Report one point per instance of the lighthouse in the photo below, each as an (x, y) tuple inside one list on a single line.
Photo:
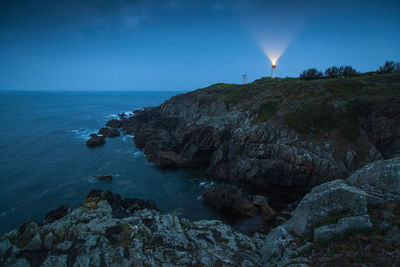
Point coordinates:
[(273, 67)]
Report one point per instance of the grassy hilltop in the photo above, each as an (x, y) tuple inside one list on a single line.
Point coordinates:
[(329, 106)]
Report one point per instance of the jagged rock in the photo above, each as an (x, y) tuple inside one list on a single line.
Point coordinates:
[(380, 177), (121, 207), (107, 132), (229, 198), (95, 140), (107, 178), (57, 214), (114, 123), (93, 236)]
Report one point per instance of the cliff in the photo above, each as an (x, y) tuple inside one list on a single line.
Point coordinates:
[(275, 131)]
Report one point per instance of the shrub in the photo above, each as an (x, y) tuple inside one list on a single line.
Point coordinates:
[(333, 72), (348, 71), (388, 67), (311, 74)]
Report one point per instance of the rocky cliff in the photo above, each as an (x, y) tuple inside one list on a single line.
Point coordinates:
[(275, 131), (351, 222)]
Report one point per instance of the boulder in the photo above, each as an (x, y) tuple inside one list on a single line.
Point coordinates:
[(345, 225), (107, 178), (324, 200), (380, 177), (229, 198), (114, 123), (95, 140), (108, 132)]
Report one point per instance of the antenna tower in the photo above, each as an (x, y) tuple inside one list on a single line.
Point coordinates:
[(244, 78)]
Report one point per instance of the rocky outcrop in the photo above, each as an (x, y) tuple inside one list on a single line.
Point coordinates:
[(229, 198), (114, 123), (95, 140), (216, 129), (107, 178), (108, 132), (91, 235)]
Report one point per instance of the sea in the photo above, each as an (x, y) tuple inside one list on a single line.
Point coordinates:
[(44, 161)]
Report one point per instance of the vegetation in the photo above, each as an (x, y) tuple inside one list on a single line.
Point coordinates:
[(265, 112), (311, 74), (388, 67), (330, 107)]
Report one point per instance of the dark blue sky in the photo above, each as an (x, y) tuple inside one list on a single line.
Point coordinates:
[(184, 44)]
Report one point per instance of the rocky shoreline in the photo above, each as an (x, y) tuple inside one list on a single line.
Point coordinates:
[(357, 218)]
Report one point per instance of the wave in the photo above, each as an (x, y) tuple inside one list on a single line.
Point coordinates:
[(83, 133), (46, 191), (4, 213)]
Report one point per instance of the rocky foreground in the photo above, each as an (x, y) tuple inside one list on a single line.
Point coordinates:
[(347, 222)]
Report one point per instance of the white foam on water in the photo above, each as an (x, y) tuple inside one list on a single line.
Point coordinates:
[(206, 184), (127, 137), (83, 133), (138, 154), (46, 191)]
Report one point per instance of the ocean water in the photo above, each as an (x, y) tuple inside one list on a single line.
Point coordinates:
[(44, 161)]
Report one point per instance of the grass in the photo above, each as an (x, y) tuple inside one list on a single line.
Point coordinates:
[(265, 112)]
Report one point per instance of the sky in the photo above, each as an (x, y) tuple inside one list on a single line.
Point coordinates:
[(183, 45)]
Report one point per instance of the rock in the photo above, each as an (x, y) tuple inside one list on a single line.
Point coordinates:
[(259, 200), (95, 140), (230, 199), (48, 241), (332, 197), (34, 244), (121, 207), (107, 132), (94, 236), (267, 213), (345, 225), (114, 123), (107, 178), (380, 177), (57, 214)]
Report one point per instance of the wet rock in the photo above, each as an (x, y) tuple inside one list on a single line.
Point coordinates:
[(114, 123), (107, 132), (229, 198), (107, 178), (95, 140), (57, 214)]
